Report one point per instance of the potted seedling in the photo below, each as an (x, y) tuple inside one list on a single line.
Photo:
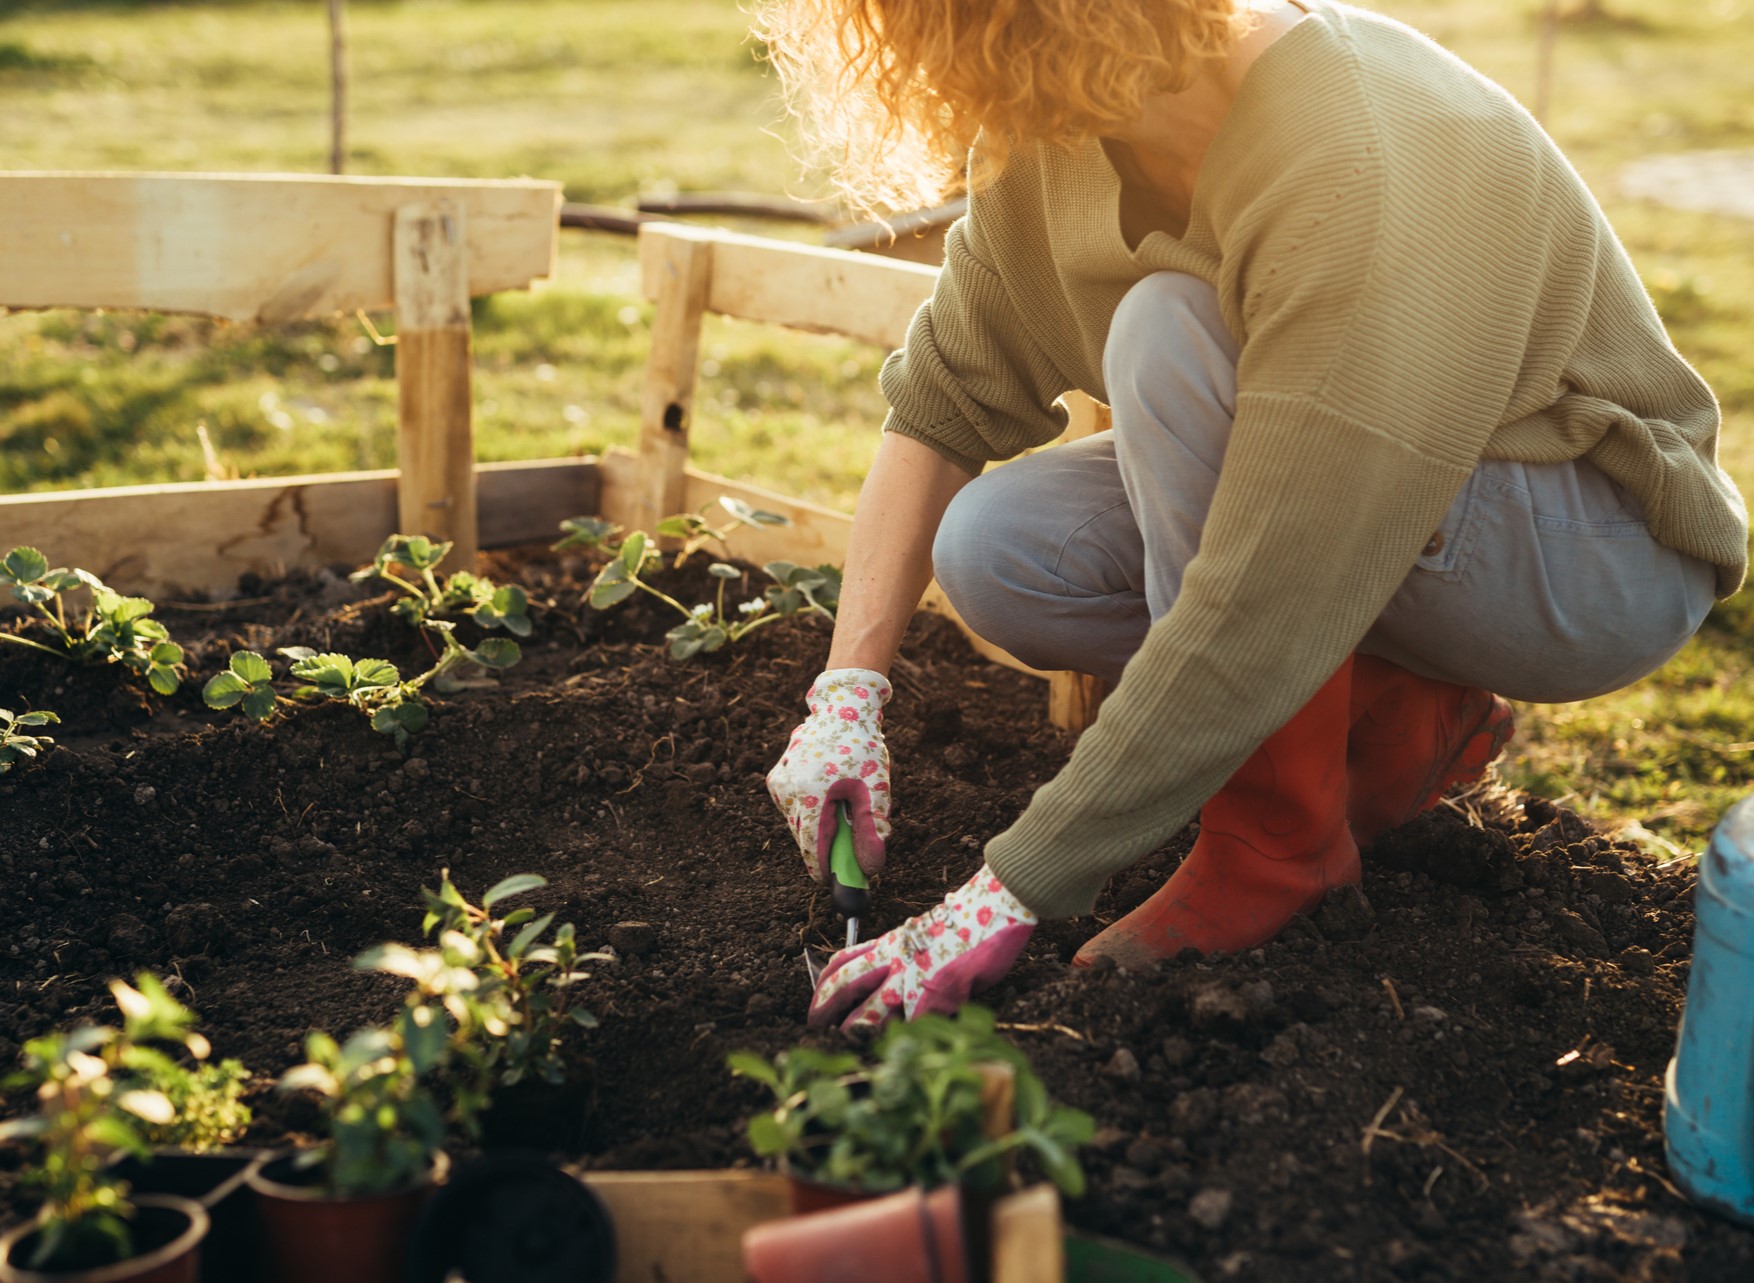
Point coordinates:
[(99, 1089), (17, 744), (919, 1117), (112, 629), (527, 972), (344, 1212)]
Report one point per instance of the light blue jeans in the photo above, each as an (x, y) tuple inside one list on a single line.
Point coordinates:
[(1543, 582)]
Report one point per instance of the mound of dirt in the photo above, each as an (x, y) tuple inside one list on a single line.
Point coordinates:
[(1389, 1091)]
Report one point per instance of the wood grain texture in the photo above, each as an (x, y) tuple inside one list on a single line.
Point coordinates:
[(267, 248), (435, 433), (802, 287), (682, 269), (1028, 1239), (199, 537), (686, 1227)]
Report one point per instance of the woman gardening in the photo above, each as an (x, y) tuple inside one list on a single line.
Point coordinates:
[(1396, 433)]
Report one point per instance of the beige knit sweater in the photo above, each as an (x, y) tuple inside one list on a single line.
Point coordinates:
[(1416, 279)]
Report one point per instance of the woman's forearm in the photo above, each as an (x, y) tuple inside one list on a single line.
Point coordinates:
[(889, 555)]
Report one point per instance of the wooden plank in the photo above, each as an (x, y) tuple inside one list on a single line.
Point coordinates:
[(435, 435), (682, 277), (1074, 698), (200, 536), (672, 1227), (266, 248), (1028, 1240), (803, 287), (816, 535)]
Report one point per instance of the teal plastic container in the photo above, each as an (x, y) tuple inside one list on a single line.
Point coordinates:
[(1708, 1105)]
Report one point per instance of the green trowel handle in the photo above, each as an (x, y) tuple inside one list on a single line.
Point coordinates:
[(846, 880)]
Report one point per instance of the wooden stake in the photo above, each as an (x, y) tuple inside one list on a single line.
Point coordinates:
[(435, 441), (338, 83), (683, 276)]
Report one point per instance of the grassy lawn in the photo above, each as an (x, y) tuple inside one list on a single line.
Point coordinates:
[(613, 97)]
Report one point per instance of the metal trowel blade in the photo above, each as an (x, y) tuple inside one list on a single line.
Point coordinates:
[(814, 963)]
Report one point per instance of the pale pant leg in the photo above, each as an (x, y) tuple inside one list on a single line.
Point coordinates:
[(1544, 583)]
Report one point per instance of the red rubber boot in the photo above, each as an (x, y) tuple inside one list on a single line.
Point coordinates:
[(1272, 842), (1412, 739)]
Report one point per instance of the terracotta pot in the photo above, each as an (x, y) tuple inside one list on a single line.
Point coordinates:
[(309, 1236), (907, 1236), (216, 1180), (167, 1241), (810, 1195)]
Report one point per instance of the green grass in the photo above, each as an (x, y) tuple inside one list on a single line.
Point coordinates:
[(614, 97)]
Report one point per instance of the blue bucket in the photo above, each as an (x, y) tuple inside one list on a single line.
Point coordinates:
[(1708, 1107)]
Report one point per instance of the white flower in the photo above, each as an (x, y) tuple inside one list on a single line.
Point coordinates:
[(702, 611), (752, 607)]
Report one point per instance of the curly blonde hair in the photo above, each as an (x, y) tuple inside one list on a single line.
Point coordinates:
[(891, 93)]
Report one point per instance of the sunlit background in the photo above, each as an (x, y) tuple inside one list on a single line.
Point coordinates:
[(623, 98)]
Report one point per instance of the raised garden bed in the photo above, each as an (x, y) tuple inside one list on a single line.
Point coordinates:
[(1387, 1092)]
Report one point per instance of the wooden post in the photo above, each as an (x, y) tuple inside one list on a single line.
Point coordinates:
[(683, 278), (338, 86), (435, 441), (1029, 1245), (1074, 698)]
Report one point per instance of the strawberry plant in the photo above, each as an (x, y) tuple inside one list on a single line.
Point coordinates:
[(99, 1090), (914, 1113), (489, 604), (593, 534), (695, 532), (112, 629), (707, 627), (15, 744), (374, 686), (527, 979)]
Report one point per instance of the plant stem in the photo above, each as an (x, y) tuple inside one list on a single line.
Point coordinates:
[(675, 605), (16, 640), (740, 631)]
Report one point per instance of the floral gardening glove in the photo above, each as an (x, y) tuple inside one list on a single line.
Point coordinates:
[(837, 755), (929, 963)]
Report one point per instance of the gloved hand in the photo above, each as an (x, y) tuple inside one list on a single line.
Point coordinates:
[(837, 754), (929, 963)]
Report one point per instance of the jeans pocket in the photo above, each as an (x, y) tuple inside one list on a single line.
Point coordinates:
[(1447, 552)]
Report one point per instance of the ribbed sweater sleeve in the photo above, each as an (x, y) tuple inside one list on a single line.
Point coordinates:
[(1377, 363), (973, 382)]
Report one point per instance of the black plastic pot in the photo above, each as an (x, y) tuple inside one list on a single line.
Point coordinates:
[(167, 1235), (312, 1236), (513, 1218), (216, 1180), (540, 1116)]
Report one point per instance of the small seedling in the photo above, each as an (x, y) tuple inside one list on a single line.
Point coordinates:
[(695, 532), (489, 604), (100, 1091), (530, 981), (914, 1114), (707, 627), (17, 745), (113, 629), (593, 534), (207, 1106), (373, 686)]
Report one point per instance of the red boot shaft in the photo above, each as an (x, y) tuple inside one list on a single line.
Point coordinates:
[(1272, 842), (1412, 739)]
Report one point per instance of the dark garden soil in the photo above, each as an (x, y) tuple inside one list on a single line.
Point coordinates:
[(1386, 1092)]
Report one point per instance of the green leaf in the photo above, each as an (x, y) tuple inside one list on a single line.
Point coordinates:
[(259, 703), (497, 652), (525, 938), (721, 570), (224, 690), (23, 565), (713, 638), (125, 610), (633, 552), (250, 666), (767, 1135), (162, 679), (517, 884), (42, 717), (584, 1019), (606, 594), (746, 1064), (680, 526), (167, 653), (750, 514), (375, 672)]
